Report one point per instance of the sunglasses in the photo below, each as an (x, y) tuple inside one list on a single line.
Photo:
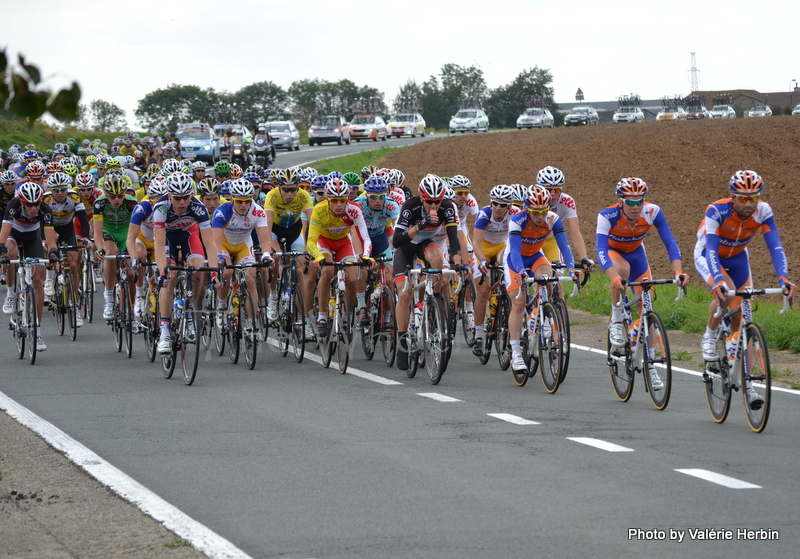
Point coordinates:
[(86, 188), (241, 200), (288, 189), (339, 200), (115, 196), (377, 196), (462, 192), (538, 212), (499, 204), (30, 204), (433, 202), (633, 202), (182, 198), (319, 193), (746, 199), (59, 189)]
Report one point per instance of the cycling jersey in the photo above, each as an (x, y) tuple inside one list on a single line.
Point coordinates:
[(64, 212), (468, 208), (398, 195), (615, 233), (164, 216), (114, 219), (5, 198), (413, 212), (237, 228), (325, 224), (378, 221), (525, 240), (16, 215), (286, 215), (143, 217), (494, 232)]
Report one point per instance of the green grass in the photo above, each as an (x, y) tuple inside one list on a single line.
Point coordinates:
[(691, 314), (178, 543), (354, 162), (44, 136)]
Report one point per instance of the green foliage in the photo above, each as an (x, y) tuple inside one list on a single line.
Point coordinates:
[(265, 100), (21, 94), (178, 543), (164, 109), (507, 102), (311, 96), (107, 116)]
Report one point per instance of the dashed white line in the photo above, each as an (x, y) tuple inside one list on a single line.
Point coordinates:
[(601, 444), (719, 479), (516, 420), (438, 397)]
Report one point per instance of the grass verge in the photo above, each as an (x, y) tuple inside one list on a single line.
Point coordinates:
[(44, 136), (354, 162)]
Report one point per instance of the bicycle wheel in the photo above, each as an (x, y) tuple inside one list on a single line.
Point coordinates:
[(435, 343), (298, 324), (467, 318), (551, 347), (368, 332), (88, 289), (151, 326), (30, 322), (561, 307), (127, 322), (168, 361), (234, 331), (71, 309), (756, 371), (448, 340), (620, 367), (218, 333), (263, 318), (387, 331), (20, 329), (488, 334), (59, 304), (250, 334), (657, 353), (718, 383), (342, 318), (116, 321), (189, 341), (502, 341), (208, 317), (284, 322)]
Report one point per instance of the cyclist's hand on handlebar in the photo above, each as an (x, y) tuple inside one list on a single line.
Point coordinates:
[(575, 275), (682, 279), (162, 280), (366, 259), (99, 254), (588, 265), (720, 291), (266, 258), (619, 284), (789, 289)]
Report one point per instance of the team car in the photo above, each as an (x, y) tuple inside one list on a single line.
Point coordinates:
[(671, 113), (697, 113), (469, 119), (406, 124), (329, 128), (367, 127), (628, 114), (198, 142), (722, 111), (535, 117), (579, 116), (759, 110)]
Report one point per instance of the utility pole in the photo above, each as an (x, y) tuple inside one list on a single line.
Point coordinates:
[(694, 76)]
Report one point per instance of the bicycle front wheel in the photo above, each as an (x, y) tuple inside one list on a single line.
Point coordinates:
[(71, 308), (718, 383), (59, 305), (502, 340), (756, 374), (116, 320), (551, 347), (657, 368), (298, 324), (88, 289), (435, 342), (234, 332), (30, 321), (342, 318), (250, 334), (620, 368), (561, 307), (388, 326), (152, 327), (467, 318), (263, 318), (189, 340), (127, 322), (20, 329)]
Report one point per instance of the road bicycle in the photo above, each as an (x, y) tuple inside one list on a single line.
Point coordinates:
[(290, 323), (646, 348), (65, 302), (495, 322), (262, 293), (457, 309), (122, 321), (428, 339), (88, 281), (149, 323), (24, 324), (240, 320), (743, 363), (543, 338), (561, 306), (382, 326)]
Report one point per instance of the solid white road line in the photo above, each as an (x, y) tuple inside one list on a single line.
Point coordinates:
[(513, 419), (602, 445), (719, 479), (438, 397), (201, 537)]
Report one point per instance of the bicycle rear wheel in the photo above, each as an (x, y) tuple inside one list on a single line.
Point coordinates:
[(388, 325), (435, 342), (30, 322), (249, 326), (298, 324), (620, 367), (718, 383), (657, 353), (127, 322), (189, 341), (71, 309), (551, 347), (342, 317), (467, 318), (561, 307), (58, 303), (502, 341), (756, 372)]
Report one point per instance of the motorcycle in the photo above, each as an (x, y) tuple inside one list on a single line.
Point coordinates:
[(265, 151), (240, 152)]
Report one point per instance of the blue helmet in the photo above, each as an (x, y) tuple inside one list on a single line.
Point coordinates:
[(225, 188), (319, 181), (335, 175), (376, 184)]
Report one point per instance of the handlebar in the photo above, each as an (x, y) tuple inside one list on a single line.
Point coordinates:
[(550, 279), (29, 261), (749, 293), (647, 284), (431, 272)]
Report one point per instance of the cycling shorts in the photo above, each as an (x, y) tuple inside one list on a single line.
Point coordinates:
[(512, 278), (66, 235), (241, 253), (340, 249), (551, 251), (637, 259), (29, 242), (147, 244), (490, 252), (183, 245), (118, 236), (293, 236), (737, 268), (405, 255)]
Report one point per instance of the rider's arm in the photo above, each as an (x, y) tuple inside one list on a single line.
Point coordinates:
[(576, 238), (773, 240), (477, 243), (660, 223), (363, 233), (563, 243), (314, 230), (601, 241)]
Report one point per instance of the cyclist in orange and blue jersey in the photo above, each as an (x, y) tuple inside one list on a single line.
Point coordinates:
[(621, 230), (527, 233)]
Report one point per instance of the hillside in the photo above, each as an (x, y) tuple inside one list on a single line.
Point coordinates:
[(686, 164)]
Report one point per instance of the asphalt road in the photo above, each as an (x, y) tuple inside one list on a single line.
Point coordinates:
[(307, 155), (294, 460)]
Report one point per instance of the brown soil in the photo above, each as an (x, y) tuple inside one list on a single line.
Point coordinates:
[(686, 164)]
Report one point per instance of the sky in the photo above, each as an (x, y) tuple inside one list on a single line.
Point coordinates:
[(120, 52)]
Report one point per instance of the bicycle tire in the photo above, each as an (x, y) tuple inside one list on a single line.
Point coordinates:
[(89, 289), (189, 345), (30, 321), (551, 347), (297, 323), (116, 320), (58, 304), (561, 307), (388, 325), (467, 328), (168, 361), (450, 335), (756, 369), (71, 307), (326, 343), (234, 332), (284, 320), (208, 317), (367, 334), (502, 341), (127, 322), (718, 383), (435, 343), (622, 377), (342, 317), (152, 327), (220, 335), (488, 334), (263, 318), (250, 333), (20, 329), (658, 344)]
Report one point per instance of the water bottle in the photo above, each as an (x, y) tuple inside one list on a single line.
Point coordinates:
[(287, 297), (235, 303), (633, 332), (331, 306), (418, 315), (731, 343), (152, 303), (177, 307), (493, 304)]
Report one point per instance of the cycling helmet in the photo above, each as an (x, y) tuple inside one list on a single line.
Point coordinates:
[(129, 161), (537, 198), (83, 152), (157, 188), (460, 182), (257, 169), (288, 176), (102, 161), (306, 177), (368, 171), (240, 188), (335, 175), (319, 182), (296, 170), (113, 163), (71, 169), (30, 154), (84, 180), (400, 178), (310, 172), (746, 183), (137, 155), (54, 167), (253, 177), (449, 193), (170, 166), (431, 188), (30, 147), (336, 188), (631, 186), (274, 175), (198, 166), (504, 193), (222, 168), (122, 160), (352, 179), (59, 179), (9, 176), (208, 187), (550, 177), (114, 184), (34, 169), (225, 187), (375, 184), (445, 180), (180, 183), (91, 159), (236, 172), (14, 148), (30, 192)]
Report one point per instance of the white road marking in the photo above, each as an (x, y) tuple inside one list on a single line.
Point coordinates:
[(516, 420), (719, 479), (201, 537), (438, 397), (602, 445)]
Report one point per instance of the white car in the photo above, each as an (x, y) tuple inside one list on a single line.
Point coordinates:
[(406, 124), (535, 117), (760, 110), (722, 111), (367, 127), (796, 110), (469, 119), (628, 114)]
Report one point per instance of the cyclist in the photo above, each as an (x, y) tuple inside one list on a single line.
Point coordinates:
[(182, 227), (420, 218), (209, 191), (354, 183), (318, 188), (112, 216), (722, 259), (380, 213), (222, 171), (329, 233), (621, 229), (232, 226), (490, 238), (9, 179), (24, 219), (198, 171)]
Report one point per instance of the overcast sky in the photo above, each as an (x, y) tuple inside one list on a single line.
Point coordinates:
[(119, 52)]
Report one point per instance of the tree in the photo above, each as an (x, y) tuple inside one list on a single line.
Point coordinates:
[(311, 97), (265, 100), (107, 116), (530, 87), (460, 86), (166, 108), (81, 121), (22, 97)]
